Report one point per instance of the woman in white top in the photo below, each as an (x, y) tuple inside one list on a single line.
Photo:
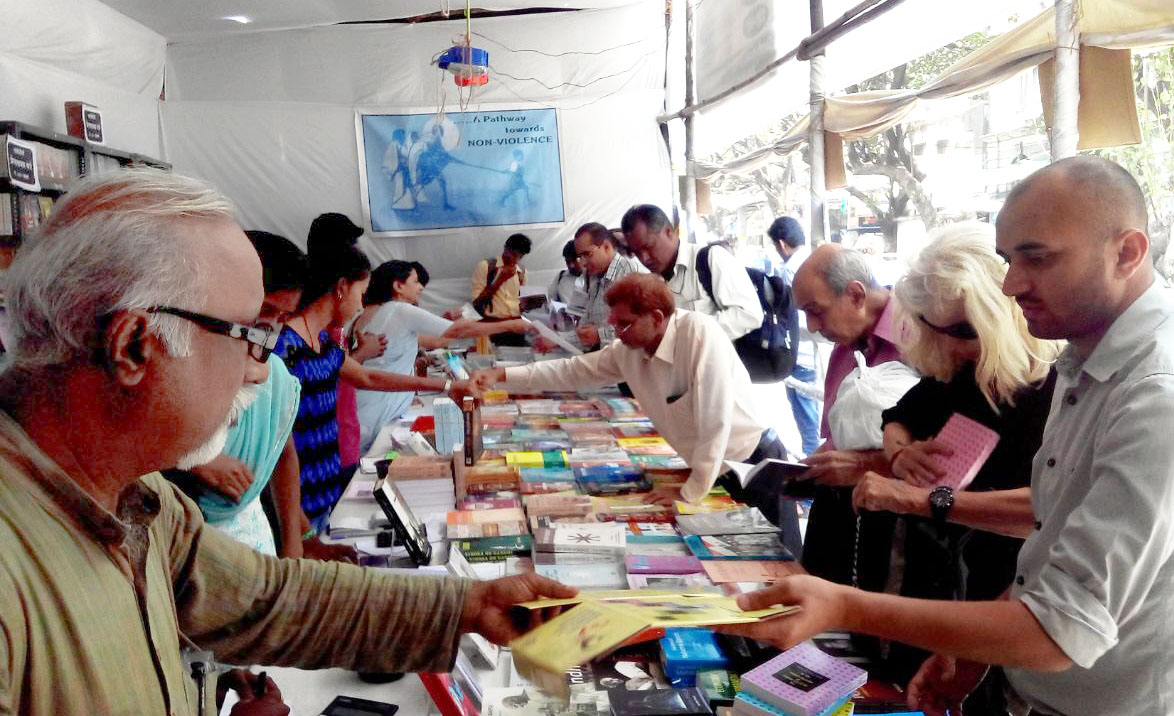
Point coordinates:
[(391, 311)]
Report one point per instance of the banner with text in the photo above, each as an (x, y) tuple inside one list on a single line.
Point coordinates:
[(495, 168)]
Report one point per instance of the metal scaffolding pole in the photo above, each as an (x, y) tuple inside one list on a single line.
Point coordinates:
[(689, 193), (1066, 90), (818, 229)]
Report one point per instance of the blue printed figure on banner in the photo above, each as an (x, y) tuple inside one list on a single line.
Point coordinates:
[(464, 169)]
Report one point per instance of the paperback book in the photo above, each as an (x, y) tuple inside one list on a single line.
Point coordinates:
[(744, 520), (756, 547), (804, 681)]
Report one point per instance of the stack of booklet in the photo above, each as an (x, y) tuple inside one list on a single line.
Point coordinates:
[(802, 681)]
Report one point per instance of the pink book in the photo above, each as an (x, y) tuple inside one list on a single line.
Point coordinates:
[(972, 443), (663, 564), (803, 680)]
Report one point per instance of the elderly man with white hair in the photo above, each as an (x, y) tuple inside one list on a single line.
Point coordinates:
[(132, 315)]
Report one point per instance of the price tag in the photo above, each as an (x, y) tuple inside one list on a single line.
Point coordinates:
[(22, 164)]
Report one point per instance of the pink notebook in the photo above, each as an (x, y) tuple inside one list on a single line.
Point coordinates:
[(972, 443), (803, 680)]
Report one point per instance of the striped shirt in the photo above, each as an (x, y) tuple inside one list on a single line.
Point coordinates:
[(93, 604), (315, 430)]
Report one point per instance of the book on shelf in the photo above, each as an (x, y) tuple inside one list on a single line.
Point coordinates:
[(603, 575), (670, 581), (572, 558), (501, 500), (495, 549), (743, 520), (722, 571), (748, 705), (448, 424), (604, 537), (756, 547), (667, 564), (720, 686), (716, 501), (660, 702), (472, 439), (529, 701), (489, 529), (554, 458), (804, 681), (684, 652), (658, 547), (557, 505)]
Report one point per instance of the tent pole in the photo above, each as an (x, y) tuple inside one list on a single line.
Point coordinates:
[(689, 193), (1066, 91), (818, 229)]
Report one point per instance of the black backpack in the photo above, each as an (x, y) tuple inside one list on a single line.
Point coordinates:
[(769, 351)]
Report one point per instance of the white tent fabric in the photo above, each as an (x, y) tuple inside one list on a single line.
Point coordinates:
[(269, 118), (1114, 24), (54, 51)]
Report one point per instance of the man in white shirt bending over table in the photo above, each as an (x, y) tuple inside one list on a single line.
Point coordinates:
[(687, 377)]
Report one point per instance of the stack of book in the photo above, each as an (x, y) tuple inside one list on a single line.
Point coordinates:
[(802, 681), (589, 555)]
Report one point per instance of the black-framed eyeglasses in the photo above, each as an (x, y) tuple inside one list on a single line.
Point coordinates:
[(963, 331), (580, 255), (261, 339)]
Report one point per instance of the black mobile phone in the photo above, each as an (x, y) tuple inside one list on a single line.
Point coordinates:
[(352, 706)]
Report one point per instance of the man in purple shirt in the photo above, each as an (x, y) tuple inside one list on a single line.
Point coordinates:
[(836, 290)]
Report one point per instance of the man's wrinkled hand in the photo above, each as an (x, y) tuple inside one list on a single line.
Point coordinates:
[(588, 335), (663, 495), (226, 475), (834, 468), (490, 611), (877, 493)]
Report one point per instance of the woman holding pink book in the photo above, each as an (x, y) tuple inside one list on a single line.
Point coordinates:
[(987, 384)]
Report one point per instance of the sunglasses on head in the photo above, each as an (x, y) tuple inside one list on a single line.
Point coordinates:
[(963, 331)]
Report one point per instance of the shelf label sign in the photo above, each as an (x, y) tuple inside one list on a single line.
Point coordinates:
[(22, 164)]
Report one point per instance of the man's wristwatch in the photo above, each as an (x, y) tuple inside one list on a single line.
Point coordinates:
[(447, 387), (941, 499)]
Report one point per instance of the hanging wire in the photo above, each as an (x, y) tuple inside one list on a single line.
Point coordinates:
[(639, 60), (556, 54)]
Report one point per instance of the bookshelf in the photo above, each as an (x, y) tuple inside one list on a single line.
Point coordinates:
[(59, 160)]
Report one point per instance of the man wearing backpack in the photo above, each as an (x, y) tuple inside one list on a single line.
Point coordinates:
[(787, 236), (497, 285), (733, 302)]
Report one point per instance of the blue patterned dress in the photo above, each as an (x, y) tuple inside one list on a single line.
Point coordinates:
[(315, 429)]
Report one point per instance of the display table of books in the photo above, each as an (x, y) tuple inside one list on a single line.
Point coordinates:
[(555, 484)]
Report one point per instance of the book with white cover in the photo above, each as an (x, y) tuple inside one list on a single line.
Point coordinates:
[(607, 537)]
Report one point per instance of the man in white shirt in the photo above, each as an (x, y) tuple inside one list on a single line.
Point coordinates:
[(653, 239), (1086, 627), (686, 376)]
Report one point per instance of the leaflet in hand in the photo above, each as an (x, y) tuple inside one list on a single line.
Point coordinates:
[(546, 332)]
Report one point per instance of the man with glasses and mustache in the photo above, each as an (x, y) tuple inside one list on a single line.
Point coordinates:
[(134, 317)]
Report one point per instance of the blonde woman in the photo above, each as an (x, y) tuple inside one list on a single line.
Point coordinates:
[(972, 345)]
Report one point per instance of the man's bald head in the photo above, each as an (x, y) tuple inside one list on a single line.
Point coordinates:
[(1099, 191)]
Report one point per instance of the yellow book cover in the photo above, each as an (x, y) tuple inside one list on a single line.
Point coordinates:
[(604, 620), (536, 459), (646, 442), (574, 637), (709, 503)]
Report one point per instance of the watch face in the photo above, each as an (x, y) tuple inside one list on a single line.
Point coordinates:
[(941, 498)]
